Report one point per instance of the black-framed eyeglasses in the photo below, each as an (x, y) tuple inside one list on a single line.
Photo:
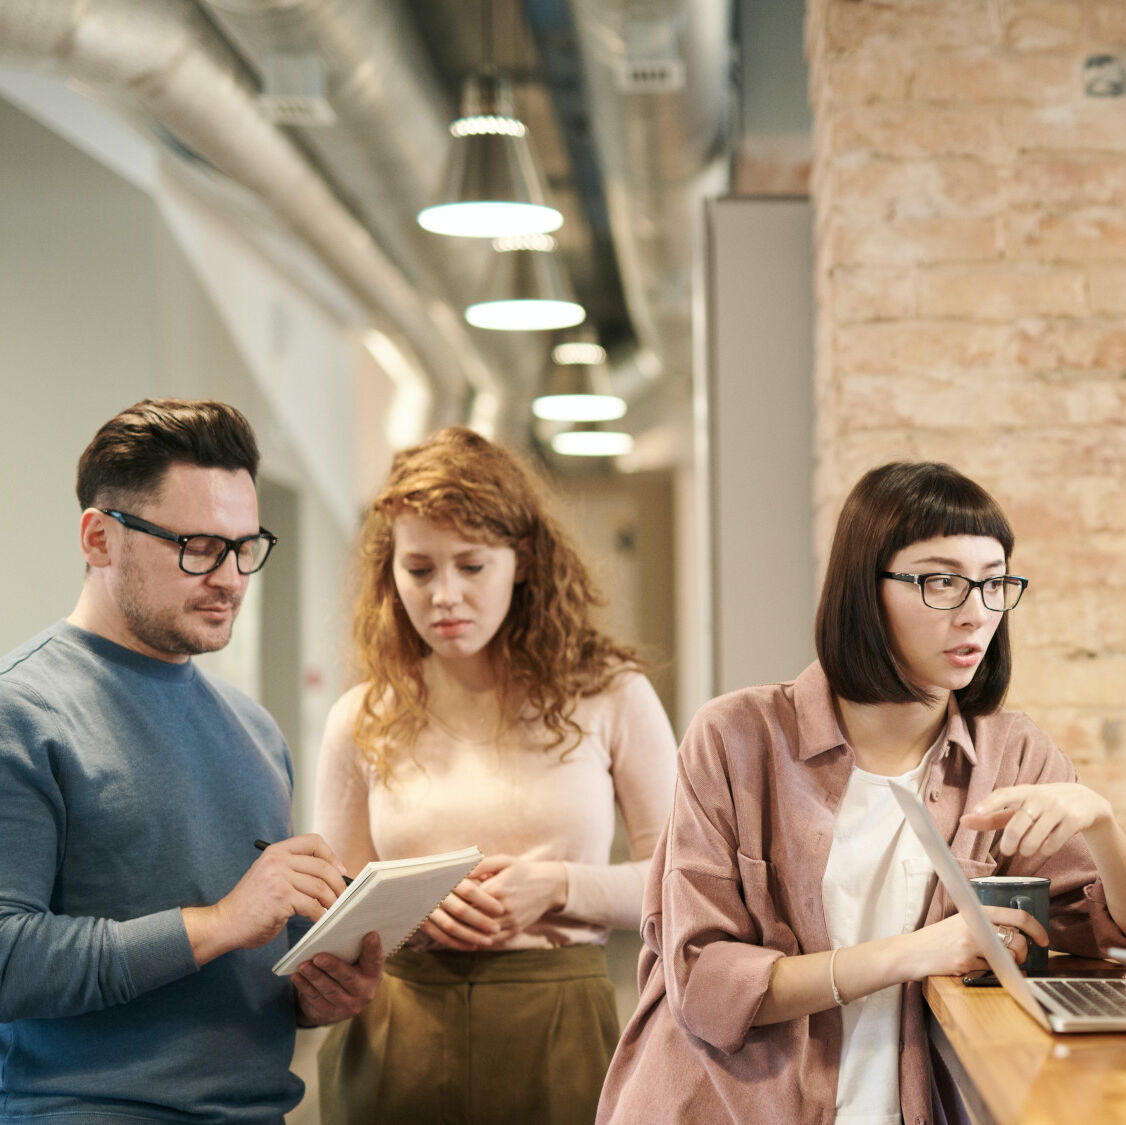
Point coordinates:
[(1000, 593), (201, 554)]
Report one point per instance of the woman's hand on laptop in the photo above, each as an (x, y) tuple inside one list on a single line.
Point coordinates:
[(1040, 819), (948, 948)]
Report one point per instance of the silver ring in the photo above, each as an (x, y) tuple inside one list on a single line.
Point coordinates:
[(1005, 933)]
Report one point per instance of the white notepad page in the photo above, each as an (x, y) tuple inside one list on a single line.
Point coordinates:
[(392, 896)]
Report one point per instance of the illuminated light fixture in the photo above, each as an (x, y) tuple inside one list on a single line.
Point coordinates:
[(578, 386), (491, 187), (578, 406), (578, 352), (588, 441), (524, 289)]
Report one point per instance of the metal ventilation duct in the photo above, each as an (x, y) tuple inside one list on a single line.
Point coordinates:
[(656, 74), (385, 157), (657, 78), (165, 57)]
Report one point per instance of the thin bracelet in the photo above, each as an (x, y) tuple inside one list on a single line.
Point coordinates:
[(833, 977)]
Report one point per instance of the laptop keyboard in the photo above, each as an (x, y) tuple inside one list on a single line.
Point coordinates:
[(1096, 997)]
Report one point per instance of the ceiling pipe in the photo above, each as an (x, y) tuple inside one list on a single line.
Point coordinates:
[(165, 58), (386, 153), (387, 149), (660, 151), (658, 82)]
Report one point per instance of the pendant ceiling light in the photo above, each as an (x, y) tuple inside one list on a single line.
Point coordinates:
[(577, 386), (578, 352), (491, 186), (524, 289), (591, 441)]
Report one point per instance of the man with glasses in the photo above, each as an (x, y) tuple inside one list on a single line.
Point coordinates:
[(138, 925)]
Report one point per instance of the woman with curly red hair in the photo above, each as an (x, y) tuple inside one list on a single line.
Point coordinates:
[(493, 713)]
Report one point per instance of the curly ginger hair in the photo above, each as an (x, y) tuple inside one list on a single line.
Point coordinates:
[(547, 653)]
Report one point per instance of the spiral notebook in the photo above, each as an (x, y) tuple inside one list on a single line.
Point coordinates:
[(393, 896)]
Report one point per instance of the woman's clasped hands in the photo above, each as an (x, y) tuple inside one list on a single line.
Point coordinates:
[(499, 899)]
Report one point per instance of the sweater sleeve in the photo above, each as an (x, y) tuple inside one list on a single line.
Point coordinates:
[(643, 762), (54, 965), (340, 810)]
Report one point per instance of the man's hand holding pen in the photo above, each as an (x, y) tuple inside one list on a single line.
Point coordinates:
[(262, 845), (297, 876), (303, 876)]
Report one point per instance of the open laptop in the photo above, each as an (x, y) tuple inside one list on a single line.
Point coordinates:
[(1063, 1004)]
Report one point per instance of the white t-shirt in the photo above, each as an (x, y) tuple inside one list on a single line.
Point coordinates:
[(877, 882)]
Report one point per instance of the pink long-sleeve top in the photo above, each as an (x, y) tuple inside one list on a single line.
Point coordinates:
[(736, 884), (516, 797)]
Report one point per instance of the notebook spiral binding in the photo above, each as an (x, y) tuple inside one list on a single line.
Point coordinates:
[(421, 923)]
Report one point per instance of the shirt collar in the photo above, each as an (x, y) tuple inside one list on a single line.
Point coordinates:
[(818, 729), (958, 731)]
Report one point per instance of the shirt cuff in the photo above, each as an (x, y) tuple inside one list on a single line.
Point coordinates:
[(155, 950)]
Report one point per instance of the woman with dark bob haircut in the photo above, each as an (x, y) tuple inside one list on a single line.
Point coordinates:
[(790, 914)]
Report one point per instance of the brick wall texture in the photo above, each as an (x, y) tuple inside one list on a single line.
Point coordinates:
[(970, 200)]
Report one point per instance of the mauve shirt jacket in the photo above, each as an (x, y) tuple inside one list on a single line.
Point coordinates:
[(735, 884)]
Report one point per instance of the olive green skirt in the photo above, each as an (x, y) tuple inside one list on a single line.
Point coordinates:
[(475, 1039)]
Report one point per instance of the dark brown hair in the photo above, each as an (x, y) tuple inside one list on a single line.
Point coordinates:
[(547, 652), (888, 509), (130, 454)]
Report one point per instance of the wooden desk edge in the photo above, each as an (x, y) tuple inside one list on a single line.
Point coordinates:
[(998, 1055)]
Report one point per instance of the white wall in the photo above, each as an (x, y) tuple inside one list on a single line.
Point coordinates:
[(101, 305), (760, 435), (76, 344), (623, 527)]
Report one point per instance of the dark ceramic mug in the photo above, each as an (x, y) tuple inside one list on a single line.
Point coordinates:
[(1031, 893)]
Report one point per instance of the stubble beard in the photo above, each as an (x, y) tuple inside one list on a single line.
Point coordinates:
[(162, 630)]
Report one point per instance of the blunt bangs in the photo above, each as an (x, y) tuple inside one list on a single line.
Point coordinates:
[(931, 499)]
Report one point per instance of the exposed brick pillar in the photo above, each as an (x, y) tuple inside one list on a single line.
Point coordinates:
[(971, 279)]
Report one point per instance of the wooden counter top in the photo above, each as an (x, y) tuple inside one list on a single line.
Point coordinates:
[(1012, 1072)]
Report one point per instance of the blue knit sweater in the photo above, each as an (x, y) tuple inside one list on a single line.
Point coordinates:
[(129, 788)]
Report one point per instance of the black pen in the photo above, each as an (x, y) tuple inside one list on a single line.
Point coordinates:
[(262, 845)]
